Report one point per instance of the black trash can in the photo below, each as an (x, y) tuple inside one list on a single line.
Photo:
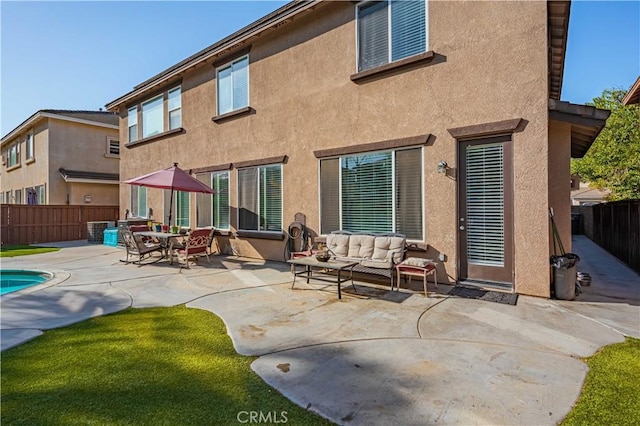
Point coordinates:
[(564, 275)]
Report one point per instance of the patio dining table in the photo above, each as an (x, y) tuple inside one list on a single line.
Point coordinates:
[(163, 237)]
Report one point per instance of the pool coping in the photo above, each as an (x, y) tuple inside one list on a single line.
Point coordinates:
[(57, 277)]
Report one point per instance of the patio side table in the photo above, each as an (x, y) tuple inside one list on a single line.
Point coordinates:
[(416, 267)]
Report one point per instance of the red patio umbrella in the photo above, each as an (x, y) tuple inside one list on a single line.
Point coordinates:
[(173, 178)]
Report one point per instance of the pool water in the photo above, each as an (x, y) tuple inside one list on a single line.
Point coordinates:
[(14, 280)]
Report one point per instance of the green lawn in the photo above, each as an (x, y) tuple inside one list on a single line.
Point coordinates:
[(611, 393), (23, 250), (158, 366)]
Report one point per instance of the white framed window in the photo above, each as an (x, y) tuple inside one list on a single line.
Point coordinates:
[(7, 197), (180, 208), (213, 209), (13, 155), (373, 192), (138, 201), (113, 147), (132, 122), (29, 144), (174, 105), (1, 197), (260, 198), (152, 117), (233, 85), (391, 30), (17, 194), (41, 194)]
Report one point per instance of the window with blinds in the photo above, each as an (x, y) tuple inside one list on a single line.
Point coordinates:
[(485, 204), (389, 31), (152, 117), (213, 209), (138, 201), (373, 192), (260, 198), (233, 85)]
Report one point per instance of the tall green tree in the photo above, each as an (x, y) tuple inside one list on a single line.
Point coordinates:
[(613, 161)]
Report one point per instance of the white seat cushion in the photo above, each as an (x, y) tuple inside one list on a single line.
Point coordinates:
[(361, 246)]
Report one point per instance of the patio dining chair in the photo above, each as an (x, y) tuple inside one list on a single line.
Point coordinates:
[(196, 244), (135, 246)]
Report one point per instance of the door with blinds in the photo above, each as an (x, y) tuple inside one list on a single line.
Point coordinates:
[(485, 211)]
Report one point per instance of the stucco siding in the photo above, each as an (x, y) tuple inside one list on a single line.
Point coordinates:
[(490, 65)]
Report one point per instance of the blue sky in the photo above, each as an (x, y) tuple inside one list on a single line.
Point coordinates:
[(81, 55)]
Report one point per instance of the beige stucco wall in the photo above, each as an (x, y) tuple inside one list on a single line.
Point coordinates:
[(559, 179), (491, 65), (61, 143), (78, 146), (33, 172), (100, 194)]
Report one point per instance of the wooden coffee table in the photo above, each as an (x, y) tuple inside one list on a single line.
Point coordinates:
[(311, 265)]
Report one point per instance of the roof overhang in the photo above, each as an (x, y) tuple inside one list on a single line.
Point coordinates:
[(80, 176), (633, 95), (586, 123), (558, 23), (41, 115), (228, 44)]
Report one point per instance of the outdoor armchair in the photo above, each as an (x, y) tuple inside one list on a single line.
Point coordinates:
[(135, 246), (196, 244)]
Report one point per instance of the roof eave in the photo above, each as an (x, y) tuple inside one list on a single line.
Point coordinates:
[(586, 123), (40, 115), (230, 42), (558, 27), (633, 95)]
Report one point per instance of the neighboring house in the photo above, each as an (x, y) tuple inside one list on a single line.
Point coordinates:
[(438, 120), (583, 194), (633, 95), (62, 157)]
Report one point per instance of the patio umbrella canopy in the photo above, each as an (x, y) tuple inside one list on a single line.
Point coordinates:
[(173, 178)]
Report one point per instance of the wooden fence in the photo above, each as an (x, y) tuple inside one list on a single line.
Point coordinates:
[(615, 227), (28, 224)]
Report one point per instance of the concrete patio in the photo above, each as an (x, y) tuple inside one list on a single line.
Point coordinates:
[(373, 357)]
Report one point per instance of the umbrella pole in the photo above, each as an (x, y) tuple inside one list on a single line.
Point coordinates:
[(170, 206)]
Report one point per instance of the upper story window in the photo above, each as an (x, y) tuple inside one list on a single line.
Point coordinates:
[(174, 105), (373, 192), (29, 144), (260, 198), (233, 85), (132, 119), (152, 117), (389, 31), (113, 147), (13, 155)]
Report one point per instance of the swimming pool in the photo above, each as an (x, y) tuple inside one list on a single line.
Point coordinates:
[(14, 279)]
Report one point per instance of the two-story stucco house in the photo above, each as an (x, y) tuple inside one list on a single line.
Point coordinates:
[(62, 157), (440, 120)]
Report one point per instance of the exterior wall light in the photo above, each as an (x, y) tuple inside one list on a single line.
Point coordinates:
[(442, 167)]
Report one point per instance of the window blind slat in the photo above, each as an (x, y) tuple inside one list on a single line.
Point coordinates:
[(485, 205), (241, 83), (204, 203), (220, 183), (373, 36), (329, 195), (409, 193)]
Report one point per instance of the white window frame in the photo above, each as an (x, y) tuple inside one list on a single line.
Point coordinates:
[(179, 107), (131, 113), (30, 146), (389, 42), (223, 67), (108, 152), (162, 109), (16, 149), (393, 184), (258, 200), (146, 201)]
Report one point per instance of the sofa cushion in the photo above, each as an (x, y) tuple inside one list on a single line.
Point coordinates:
[(361, 246), (338, 244), (386, 247)]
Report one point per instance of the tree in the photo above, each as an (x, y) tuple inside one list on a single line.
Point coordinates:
[(613, 161)]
